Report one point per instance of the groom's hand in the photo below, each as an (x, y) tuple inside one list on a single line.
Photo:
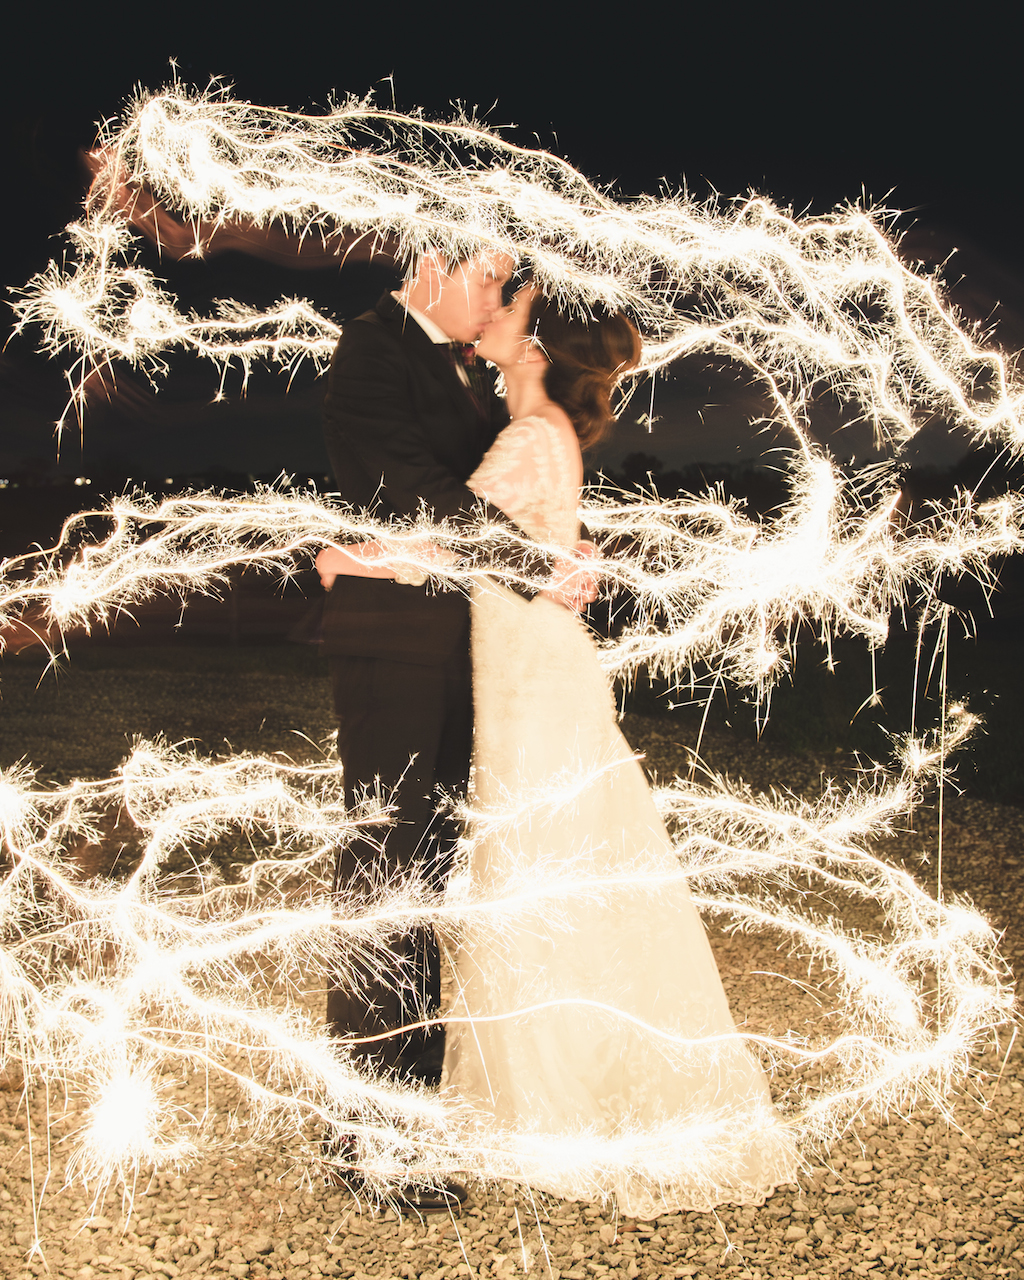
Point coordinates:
[(574, 581)]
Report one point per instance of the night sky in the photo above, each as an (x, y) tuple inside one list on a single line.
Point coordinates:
[(918, 107)]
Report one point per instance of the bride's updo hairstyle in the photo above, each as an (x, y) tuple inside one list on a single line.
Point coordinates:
[(587, 357)]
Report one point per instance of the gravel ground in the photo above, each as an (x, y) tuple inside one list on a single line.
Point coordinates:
[(915, 1195)]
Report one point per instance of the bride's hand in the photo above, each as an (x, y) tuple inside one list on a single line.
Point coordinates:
[(329, 563), (573, 581), (355, 561), (358, 560), (112, 190)]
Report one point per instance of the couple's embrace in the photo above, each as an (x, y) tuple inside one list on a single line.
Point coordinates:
[(550, 1032)]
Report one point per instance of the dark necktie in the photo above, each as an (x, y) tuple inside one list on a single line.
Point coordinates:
[(463, 356)]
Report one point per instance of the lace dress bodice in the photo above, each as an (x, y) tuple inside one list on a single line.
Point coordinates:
[(533, 472)]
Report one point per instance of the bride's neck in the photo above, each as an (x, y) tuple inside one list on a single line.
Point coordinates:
[(525, 391)]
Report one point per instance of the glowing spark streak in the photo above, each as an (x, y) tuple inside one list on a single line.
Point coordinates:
[(709, 584), (801, 303), (172, 955)]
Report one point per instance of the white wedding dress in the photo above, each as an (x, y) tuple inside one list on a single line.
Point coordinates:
[(630, 1078)]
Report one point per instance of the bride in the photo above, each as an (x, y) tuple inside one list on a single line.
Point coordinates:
[(599, 1018)]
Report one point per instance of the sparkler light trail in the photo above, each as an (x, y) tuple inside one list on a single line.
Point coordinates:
[(184, 985), (119, 987), (710, 584), (804, 305)]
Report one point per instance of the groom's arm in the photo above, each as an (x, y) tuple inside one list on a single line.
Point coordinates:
[(380, 451)]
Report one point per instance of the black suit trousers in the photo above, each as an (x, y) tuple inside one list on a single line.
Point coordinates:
[(409, 729)]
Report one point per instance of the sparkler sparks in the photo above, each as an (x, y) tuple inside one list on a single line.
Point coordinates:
[(116, 987), (710, 584), (180, 987), (803, 305), (185, 968)]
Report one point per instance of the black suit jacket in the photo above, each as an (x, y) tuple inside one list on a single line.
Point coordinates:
[(401, 431)]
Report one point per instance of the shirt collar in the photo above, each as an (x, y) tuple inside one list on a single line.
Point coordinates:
[(433, 332)]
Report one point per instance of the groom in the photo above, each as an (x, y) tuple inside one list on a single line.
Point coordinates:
[(405, 428)]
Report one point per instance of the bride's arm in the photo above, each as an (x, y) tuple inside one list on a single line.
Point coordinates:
[(176, 238), (370, 560), (353, 561), (574, 581)]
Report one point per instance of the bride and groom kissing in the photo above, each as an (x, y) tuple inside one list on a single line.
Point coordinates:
[(612, 1020)]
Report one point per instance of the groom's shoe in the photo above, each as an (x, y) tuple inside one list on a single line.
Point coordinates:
[(449, 1197), (339, 1169), (338, 1161)]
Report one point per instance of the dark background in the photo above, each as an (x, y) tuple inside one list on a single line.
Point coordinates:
[(919, 109)]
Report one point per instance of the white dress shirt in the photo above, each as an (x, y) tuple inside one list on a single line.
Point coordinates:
[(436, 334)]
